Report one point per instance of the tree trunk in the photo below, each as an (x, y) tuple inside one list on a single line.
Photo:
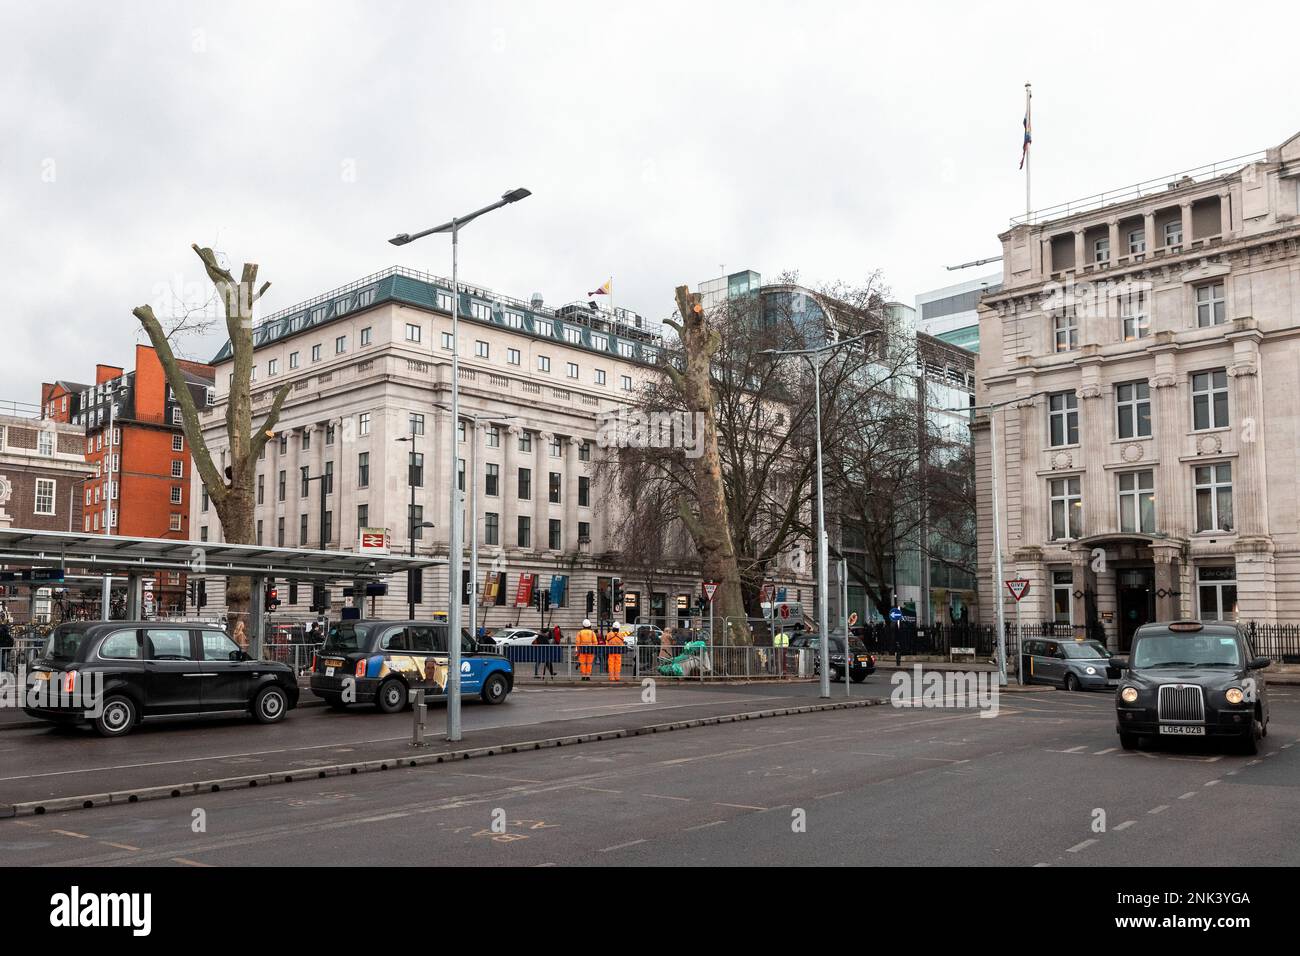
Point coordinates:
[(710, 527)]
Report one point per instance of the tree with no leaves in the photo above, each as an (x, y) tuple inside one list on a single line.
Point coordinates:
[(232, 493)]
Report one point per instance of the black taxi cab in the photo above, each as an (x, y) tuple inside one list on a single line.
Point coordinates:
[(380, 662), (113, 674), (1192, 679)]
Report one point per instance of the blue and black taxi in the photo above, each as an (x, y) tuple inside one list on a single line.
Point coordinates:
[(380, 662), (113, 674), (1192, 679)]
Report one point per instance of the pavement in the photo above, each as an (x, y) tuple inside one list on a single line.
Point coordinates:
[(1044, 783)]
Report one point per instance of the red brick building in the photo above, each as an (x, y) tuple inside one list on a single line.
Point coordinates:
[(135, 442), (61, 401)]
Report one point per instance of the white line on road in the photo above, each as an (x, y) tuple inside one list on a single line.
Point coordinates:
[(1160, 809), (383, 817), (664, 796), (705, 826), (739, 806), (1125, 825), (1211, 783), (621, 846), (1080, 846), (1188, 795), (1108, 750)]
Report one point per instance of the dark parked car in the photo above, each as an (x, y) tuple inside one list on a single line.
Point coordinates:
[(113, 674), (379, 662), (1070, 663), (1192, 679), (862, 663)]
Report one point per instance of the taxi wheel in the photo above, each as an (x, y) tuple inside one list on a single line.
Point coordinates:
[(391, 697), (1250, 742), (1071, 683), (269, 705), (495, 689), (1128, 741), (117, 718)]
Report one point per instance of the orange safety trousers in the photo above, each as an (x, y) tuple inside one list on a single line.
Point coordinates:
[(615, 666), (584, 663)]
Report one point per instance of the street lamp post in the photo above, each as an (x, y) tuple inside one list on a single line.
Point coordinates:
[(454, 552), (412, 525), (816, 358)]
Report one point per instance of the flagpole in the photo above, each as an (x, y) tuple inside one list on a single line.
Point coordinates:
[(1029, 126)]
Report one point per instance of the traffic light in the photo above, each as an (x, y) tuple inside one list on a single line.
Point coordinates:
[(616, 594), (415, 586), (192, 592), (272, 596), (202, 594)]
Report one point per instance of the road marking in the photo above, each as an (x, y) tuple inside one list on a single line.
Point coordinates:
[(599, 790), (186, 862), (1125, 825), (1080, 846), (1036, 865), (1188, 795), (824, 796), (70, 833), (664, 796), (621, 846), (1108, 750), (1211, 783), (120, 846), (739, 806), (383, 817), (705, 826), (1160, 809)]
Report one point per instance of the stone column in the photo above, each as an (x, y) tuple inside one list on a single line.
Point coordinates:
[(1046, 244), (1149, 230), (1094, 421), (1173, 514), (1185, 210), (1225, 213), (510, 489), (1113, 233), (1032, 527), (1079, 258), (571, 467), (1249, 491), (1082, 580), (1167, 608), (542, 493)]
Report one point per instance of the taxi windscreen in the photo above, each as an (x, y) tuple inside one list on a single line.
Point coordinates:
[(1186, 650), (63, 642), (346, 637)]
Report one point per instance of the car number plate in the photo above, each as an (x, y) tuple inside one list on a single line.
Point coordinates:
[(1183, 730)]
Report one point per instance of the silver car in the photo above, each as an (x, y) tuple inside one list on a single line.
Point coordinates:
[(1071, 664)]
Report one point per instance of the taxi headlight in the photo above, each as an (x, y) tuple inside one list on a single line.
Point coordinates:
[(1129, 695), (1090, 671), (1234, 695)]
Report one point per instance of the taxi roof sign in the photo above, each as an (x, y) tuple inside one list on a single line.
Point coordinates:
[(1186, 626)]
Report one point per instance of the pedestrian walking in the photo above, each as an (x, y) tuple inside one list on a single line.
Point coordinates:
[(614, 643), (545, 640), (666, 646), (586, 642)]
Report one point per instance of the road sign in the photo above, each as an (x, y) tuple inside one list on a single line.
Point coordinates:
[(1018, 587), (895, 614), (710, 589)]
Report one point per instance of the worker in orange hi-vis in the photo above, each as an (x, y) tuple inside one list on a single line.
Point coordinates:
[(586, 643), (614, 641)]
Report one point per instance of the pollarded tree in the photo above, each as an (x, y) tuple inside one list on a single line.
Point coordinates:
[(232, 492)]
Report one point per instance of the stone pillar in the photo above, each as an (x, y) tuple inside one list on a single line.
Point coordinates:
[(571, 468), (1173, 514), (1249, 491), (1113, 234), (1225, 213), (1167, 604), (542, 493), (1079, 258), (1149, 230), (1094, 422), (1185, 210), (1082, 583), (1033, 529), (1046, 244), (510, 489)]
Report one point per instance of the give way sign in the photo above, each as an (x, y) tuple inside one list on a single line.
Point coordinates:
[(1018, 587)]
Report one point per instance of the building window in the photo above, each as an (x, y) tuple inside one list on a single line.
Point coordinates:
[(1062, 605), (306, 440), (261, 487), (329, 478), (444, 301), (415, 424), (584, 532), (556, 536), (600, 376), (512, 356), (544, 363), (363, 423), (363, 470), (492, 480), (293, 360), (178, 469), (340, 345), (492, 435), (1133, 409), (284, 444), (554, 488), (513, 320), (600, 342), (1067, 508), (447, 342), (280, 489), (525, 538), (625, 382), (525, 484), (315, 353), (1216, 593), (1065, 330), (176, 494), (584, 491), (302, 531), (481, 310), (1063, 419), (258, 540), (1210, 400), (327, 534), (525, 441), (460, 431), (305, 474), (415, 470), (415, 518), (1101, 250), (554, 447), (329, 434), (1137, 502), (1137, 242), (177, 417), (367, 335), (491, 528), (481, 349), (363, 516), (178, 443), (1214, 497), (1211, 305), (45, 493), (460, 474), (272, 367), (584, 451), (571, 369), (1174, 233), (203, 533), (572, 336), (279, 532), (204, 499), (1134, 317), (175, 523)]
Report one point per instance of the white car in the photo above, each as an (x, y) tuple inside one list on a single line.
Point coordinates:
[(514, 635)]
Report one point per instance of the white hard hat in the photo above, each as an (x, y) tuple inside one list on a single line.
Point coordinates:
[(586, 623)]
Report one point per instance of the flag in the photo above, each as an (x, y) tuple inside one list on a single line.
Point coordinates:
[(1029, 138), (606, 289)]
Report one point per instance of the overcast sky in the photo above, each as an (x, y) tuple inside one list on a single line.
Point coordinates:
[(662, 142)]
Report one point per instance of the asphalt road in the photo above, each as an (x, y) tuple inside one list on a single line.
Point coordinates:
[(879, 785)]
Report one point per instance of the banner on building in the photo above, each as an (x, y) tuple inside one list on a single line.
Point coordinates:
[(524, 593)]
